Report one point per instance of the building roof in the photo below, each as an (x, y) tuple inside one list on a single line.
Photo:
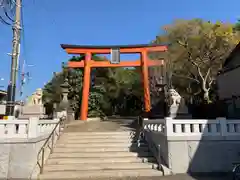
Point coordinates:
[(232, 54), (3, 92), (231, 62)]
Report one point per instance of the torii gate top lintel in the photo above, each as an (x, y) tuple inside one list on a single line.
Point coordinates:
[(81, 49)]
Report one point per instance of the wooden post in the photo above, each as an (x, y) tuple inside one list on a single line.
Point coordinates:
[(86, 86), (144, 60)]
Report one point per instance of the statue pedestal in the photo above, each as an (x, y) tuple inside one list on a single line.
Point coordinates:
[(33, 111), (177, 112), (180, 110), (183, 111)]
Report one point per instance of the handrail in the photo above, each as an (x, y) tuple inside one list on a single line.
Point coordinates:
[(158, 155), (46, 144)]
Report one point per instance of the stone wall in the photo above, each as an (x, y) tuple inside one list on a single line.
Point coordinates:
[(19, 157), (203, 155), (20, 147), (196, 145)]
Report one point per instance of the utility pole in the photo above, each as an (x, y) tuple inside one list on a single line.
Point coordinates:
[(11, 90)]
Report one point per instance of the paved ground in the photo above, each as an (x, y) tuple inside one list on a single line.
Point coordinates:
[(100, 126), (119, 125), (173, 177)]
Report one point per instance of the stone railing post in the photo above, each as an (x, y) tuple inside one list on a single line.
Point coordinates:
[(33, 130), (168, 126), (223, 125)]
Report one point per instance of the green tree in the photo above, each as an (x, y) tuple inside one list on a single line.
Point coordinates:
[(113, 90), (237, 26), (197, 51)]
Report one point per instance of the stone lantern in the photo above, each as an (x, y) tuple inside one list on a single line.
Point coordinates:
[(65, 104), (64, 89)]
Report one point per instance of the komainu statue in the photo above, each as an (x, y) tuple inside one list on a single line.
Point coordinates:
[(173, 97), (36, 97), (176, 104)]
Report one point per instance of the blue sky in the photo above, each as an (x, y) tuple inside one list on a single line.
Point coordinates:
[(49, 23)]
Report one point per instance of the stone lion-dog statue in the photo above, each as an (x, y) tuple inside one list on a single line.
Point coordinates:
[(37, 97), (173, 97)]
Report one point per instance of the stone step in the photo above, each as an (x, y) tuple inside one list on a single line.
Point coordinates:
[(72, 141), (100, 174), (97, 155), (100, 166), (108, 133), (96, 137), (100, 149), (98, 145), (99, 160)]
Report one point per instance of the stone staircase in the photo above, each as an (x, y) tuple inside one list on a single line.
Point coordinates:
[(99, 155)]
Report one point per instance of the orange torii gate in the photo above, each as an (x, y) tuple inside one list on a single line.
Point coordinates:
[(88, 63)]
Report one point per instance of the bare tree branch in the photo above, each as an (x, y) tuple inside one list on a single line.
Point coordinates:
[(210, 84), (186, 77), (198, 92), (185, 45), (196, 65), (208, 73)]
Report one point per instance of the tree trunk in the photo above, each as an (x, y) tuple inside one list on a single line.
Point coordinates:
[(206, 96), (205, 91)]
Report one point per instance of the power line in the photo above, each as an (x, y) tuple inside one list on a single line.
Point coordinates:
[(7, 7), (4, 22)]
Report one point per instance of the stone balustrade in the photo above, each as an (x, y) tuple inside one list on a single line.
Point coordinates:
[(193, 127), (26, 128), (47, 125), (156, 125)]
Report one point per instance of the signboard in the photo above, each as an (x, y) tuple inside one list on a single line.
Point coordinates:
[(115, 56)]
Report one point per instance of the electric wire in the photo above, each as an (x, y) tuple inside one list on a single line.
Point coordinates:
[(7, 7), (4, 22), (6, 14)]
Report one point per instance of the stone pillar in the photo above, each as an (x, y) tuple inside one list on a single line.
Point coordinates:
[(33, 127)]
